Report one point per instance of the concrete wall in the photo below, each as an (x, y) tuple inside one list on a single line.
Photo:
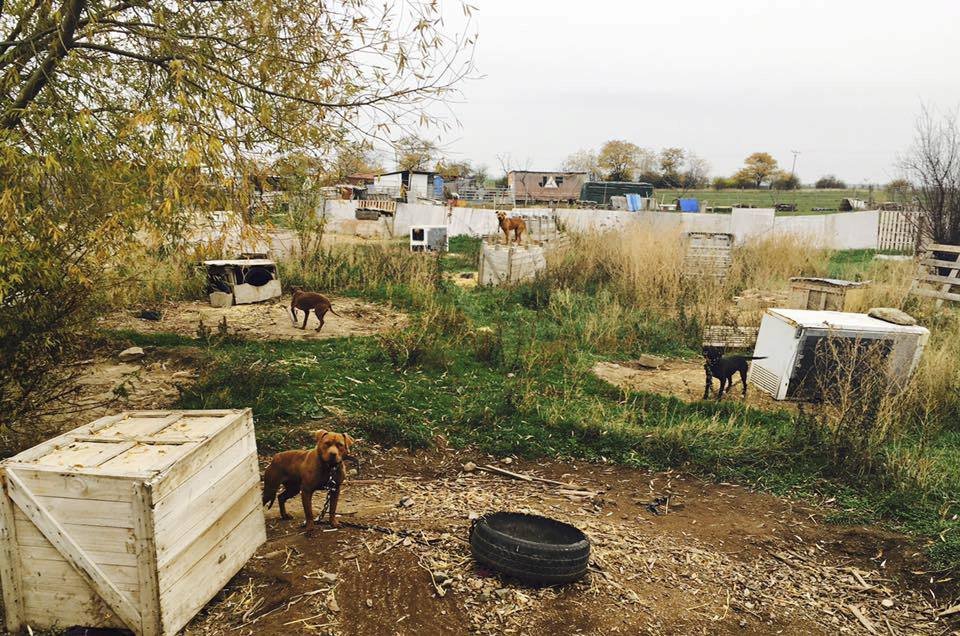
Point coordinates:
[(848, 230)]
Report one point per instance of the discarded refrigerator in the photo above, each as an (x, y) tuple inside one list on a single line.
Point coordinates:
[(801, 348)]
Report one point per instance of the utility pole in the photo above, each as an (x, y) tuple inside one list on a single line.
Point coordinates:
[(793, 170)]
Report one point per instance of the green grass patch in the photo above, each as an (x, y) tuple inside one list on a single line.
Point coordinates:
[(806, 200)]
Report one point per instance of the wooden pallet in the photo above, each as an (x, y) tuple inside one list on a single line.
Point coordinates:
[(380, 205), (729, 336), (708, 254), (930, 273)]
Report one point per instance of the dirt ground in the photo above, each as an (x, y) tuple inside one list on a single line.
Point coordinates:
[(717, 559), (267, 320), (683, 379)]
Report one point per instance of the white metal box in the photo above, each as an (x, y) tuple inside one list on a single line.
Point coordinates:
[(428, 238), (133, 521), (788, 340)]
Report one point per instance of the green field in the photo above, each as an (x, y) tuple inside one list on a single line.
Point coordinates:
[(805, 200)]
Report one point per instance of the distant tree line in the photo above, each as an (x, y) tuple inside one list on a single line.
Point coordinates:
[(621, 160)]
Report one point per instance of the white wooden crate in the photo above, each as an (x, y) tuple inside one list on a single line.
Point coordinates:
[(135, 520)]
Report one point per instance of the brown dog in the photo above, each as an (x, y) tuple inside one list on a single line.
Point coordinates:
[(306, 301), (302, 471), (508, 224)]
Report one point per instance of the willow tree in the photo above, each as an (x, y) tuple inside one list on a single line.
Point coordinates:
[(119, 118)]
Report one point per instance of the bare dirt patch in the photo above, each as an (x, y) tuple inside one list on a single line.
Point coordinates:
[(716, 559), (682, 379), (264, 321)]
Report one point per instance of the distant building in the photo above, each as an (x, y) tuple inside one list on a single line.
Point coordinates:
[(529, 186), (409, 185), (600, 192), (360, 178)]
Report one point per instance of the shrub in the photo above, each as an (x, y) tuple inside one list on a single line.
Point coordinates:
[(830, 182)]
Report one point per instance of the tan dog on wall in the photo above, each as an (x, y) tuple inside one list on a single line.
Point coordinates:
[(511, 224), (306, 471), (307, 301)]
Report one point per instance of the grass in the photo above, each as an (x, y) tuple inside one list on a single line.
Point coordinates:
[(805, 199), (508, 371)]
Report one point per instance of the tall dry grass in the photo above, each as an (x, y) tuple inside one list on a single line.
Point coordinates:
[(645, 270)]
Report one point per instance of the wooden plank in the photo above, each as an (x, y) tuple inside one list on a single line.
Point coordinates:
[(49, 553), (43, 448), (940, 247), (153, 457), (932, 262), (208, 576), (192, 518), (187, 554), (949, 281), (193, 425), (138, 423), (93, 538), (179, 439), (58, 537), (10, 576), (48, 483), (60, 575), (56, 608), (202, 454), (932, 293), (113, 514), (82, 454), (147, 576), (201, 480)]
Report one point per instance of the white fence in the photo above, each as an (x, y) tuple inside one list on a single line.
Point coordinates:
[(846, 230)]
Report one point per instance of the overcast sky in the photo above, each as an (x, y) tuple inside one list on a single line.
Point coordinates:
[(842, 81)]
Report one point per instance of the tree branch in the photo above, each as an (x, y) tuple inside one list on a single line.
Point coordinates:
[(42, 74)]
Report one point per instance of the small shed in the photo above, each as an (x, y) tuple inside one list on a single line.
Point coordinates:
[(548, 187), (133, 521), (241, 281), (830, 294), (602, 192)]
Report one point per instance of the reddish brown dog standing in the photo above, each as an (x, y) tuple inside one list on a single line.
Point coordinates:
[(306, 471), (307, 301), (508, 224)]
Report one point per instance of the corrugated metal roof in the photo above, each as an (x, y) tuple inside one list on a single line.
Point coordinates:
[(841, 320)]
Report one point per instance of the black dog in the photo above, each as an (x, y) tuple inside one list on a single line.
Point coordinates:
[(723, 367)]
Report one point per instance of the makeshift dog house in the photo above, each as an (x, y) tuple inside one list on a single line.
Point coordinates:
[(428, 238), (798, 345), (133, 521), (241, 281), (831, 294), (507, 264)]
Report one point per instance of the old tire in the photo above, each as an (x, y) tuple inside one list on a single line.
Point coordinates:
[(534, 549)]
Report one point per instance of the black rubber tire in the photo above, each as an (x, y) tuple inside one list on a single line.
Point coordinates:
[(537, 562)]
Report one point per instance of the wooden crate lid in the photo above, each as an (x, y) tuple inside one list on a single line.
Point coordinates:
[(129, 444)]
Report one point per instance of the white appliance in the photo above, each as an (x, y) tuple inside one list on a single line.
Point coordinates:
[(789, 340), (428, 238)]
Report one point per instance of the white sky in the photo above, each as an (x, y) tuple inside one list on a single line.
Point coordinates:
[(842, 81)]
